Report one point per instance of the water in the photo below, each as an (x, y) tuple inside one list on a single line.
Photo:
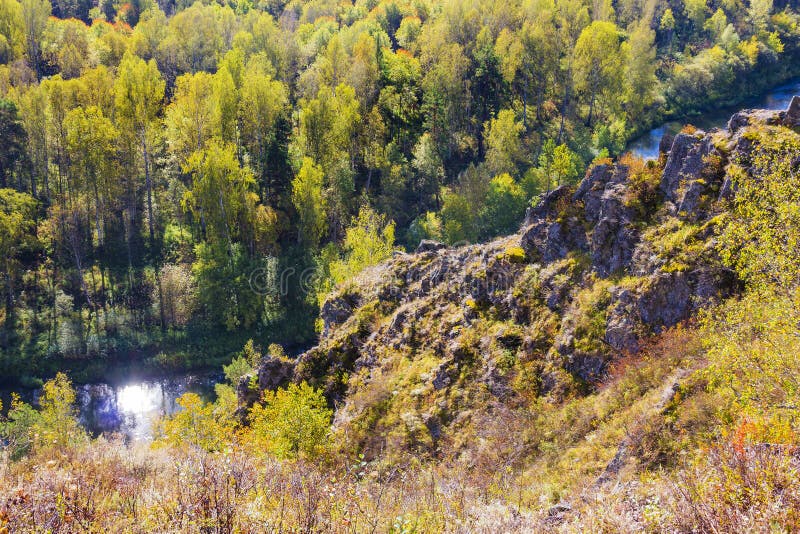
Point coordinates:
[(131, 407), (776, 98)]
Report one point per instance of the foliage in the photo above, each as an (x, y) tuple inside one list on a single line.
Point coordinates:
[(291, 423), (368, 241), (760, 237), (198, 424)]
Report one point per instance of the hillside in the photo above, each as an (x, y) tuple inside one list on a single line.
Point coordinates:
[(625, 362), (429, 342)]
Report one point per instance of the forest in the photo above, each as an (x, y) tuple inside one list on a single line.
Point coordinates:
[(169, 171)]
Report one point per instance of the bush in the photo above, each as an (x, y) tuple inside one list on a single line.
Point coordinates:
[(291, 422)]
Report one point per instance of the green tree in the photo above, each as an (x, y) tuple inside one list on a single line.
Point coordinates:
[(599, 65), (189, 117), (57, 425), (429, 167), (368, 241), (460, 222), (35, 14), (309, 201), (224, 292), (139, 92), (504, 145), (17, 225), (641, 70), (716, 24), (504, 207), (263, 103), (695, 11), (12, 31), (667, 24), (291, 423), (758, 13), (222, 197), (91, 149), (12, 148), (202, 425)]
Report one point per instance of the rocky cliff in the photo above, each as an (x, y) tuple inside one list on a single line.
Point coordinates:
[(428, 351)]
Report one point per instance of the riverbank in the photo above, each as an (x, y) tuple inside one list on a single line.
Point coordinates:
[(775, 98)]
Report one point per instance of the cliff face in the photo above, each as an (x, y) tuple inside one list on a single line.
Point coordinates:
[(433, 351)]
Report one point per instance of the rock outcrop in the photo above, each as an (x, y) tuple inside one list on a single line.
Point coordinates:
[(424, 337)]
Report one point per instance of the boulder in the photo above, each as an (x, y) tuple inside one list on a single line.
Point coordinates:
[(272, 373), (665, 301), (792, 117), (553, 241), (428, 245), (336, 311), (685, 163), (547, 208), (665, 145)]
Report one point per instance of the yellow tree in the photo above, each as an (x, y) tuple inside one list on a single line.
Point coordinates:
[(139, 92)]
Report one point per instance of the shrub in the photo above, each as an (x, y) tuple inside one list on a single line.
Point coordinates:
[(291, 422)]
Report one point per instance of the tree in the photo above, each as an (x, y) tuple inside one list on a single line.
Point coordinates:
[(309, 201), (139, 92), (641, 70), (12, 31), (716, 24), (189, 117), (91, 149), (33, 112), (291, 423), (758, 13), (35, 14), (460, 221), (223, 277), (328, 125), (667, 24), (57, 425), (599, 64), (504, 146), (17, 224), (504, 207), (263, 103), (695, 10), (201, 425), (222, 197), (429, 167), (368, 241), (558, 164), (12, 148)]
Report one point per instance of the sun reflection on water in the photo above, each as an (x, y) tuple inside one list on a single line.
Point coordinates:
[(137, 399)]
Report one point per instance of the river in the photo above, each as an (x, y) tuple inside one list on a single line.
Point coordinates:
[(776, 98), (131, 407)]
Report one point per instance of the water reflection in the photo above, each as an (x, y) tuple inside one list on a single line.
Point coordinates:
[(131, 409), (777, 98)]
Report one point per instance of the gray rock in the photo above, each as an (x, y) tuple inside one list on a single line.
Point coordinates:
[(547, 208), (666, 300), (665, 145), (272, 374), (685, 163), (428, 245), (553, 241), (690, 202), (792, 117), (336, 311)]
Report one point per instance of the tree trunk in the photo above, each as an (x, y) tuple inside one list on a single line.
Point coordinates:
[(149, 183)]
